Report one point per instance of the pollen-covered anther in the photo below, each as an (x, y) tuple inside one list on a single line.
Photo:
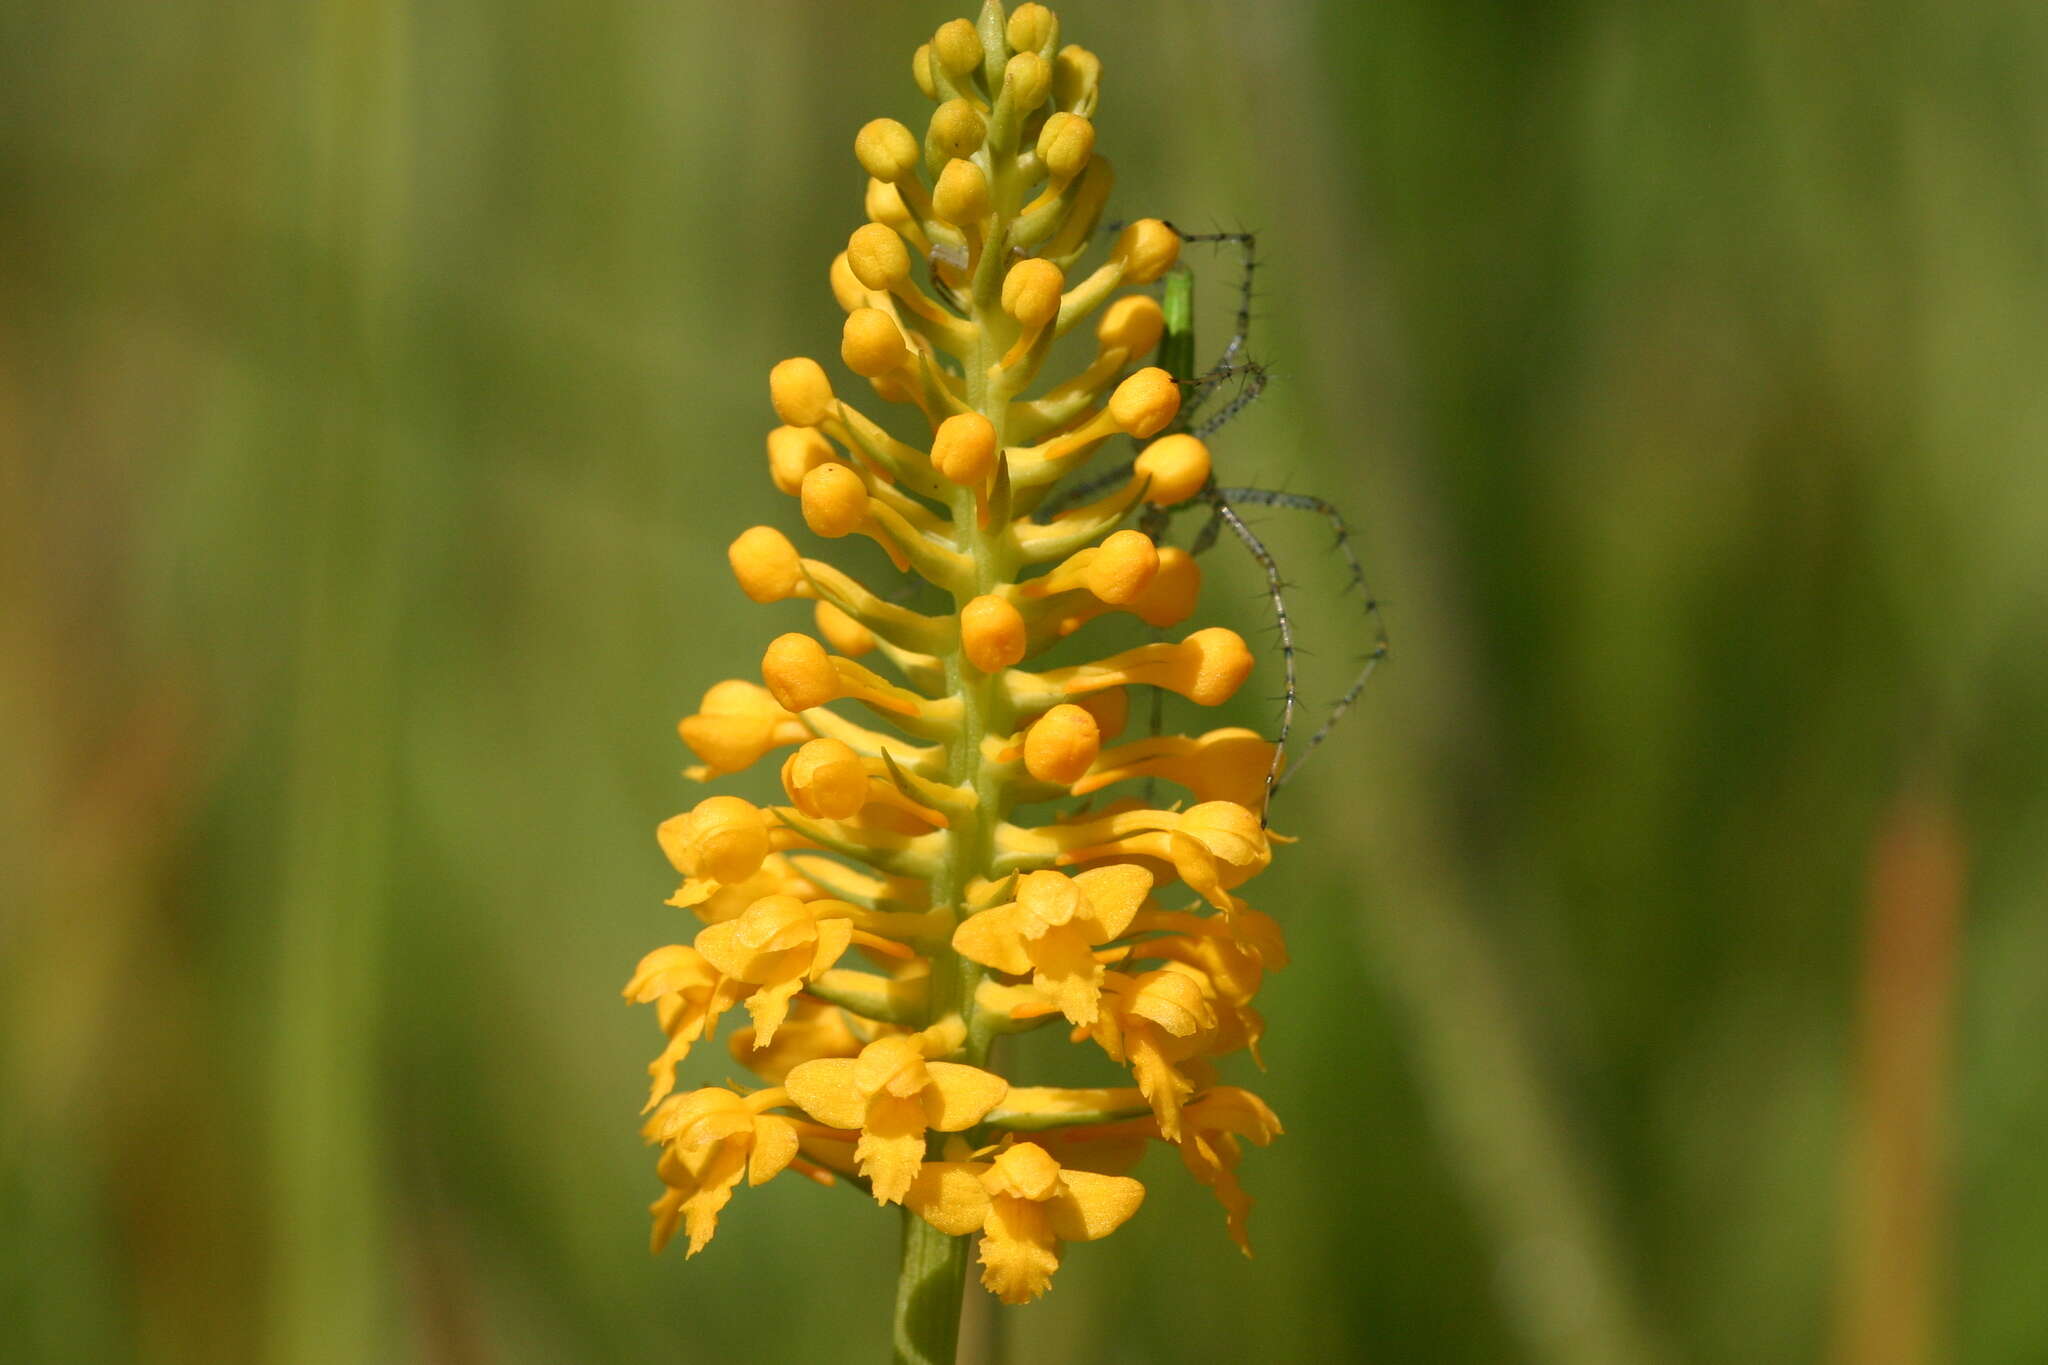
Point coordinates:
[(1174, 469), (767, 566), (993, 635), (801, 393), (1062, 744), (826, 780)]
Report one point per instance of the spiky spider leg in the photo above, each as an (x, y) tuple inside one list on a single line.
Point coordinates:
[(1356, 585), (1221, 513)]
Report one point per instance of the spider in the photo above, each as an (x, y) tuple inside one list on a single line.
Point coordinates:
[(1202, 416)]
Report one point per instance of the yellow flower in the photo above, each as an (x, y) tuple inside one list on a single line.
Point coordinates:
[(775, 946), (1153, 1022), (893, 1094), (1053, 928), (711, 1139), (1210, 1150), (686, 991), (1024, 1205)]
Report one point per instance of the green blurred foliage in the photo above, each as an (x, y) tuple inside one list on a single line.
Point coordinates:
[(379, 383)]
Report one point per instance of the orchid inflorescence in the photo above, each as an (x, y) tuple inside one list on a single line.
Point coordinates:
[(902, 848)]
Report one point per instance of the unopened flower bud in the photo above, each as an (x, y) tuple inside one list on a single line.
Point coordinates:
[(1062, 744), (835, 501), (1148, 248), (964, 449), (877, 256), (798, 672), (1177, 467), (1031, 292), (886, 149), (957, 47), (1170, 597), (801, 393), (1029, 77), (961, 196), (1075, 75), (826, 780), (1145, 402), (1122, 568), (870, 343), (957, 129), (1135, 322), (1031, 28), (766, 564), (842, 632), (992, 634), (1065, 143), (794, 452)]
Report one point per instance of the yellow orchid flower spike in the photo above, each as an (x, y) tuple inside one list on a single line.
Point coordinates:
[(941, 875)]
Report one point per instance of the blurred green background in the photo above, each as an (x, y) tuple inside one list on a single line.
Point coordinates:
[(380, 382)]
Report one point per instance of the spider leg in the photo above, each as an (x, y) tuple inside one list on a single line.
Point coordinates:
[(1302, 502), (1222, 514)]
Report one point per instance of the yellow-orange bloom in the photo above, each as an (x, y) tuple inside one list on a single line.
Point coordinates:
[(711, 1139), (1024, 1205), (893, 1095), (1053, 928)]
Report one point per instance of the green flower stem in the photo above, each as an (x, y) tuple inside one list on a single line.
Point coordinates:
[(934, 1265)]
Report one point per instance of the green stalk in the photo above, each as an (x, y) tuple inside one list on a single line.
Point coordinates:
[(933, 1269)]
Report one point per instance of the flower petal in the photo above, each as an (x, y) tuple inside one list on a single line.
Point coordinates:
[(833, 937), (824, 1089), (960, 1096), (1114, 894), (1093, 1206), (774, 1148), (891, 1146), (949, 1196), (1018, 1254), (991, 938)]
